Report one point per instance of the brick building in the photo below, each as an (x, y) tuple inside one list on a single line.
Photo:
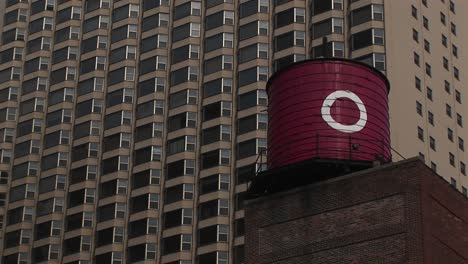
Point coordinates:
[(397, 213)]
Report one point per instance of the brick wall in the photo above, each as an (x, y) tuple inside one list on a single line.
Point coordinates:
[(445, 224), (373, 216)]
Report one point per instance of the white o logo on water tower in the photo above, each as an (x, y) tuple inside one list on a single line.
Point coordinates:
[(330, 100)]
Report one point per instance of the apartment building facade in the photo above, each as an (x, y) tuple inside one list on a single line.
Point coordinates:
[(129, 129)]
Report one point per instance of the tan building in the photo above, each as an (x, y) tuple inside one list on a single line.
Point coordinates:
[(130, 128)]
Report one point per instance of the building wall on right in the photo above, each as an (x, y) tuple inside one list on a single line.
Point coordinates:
[(425, 65), (445, 230)]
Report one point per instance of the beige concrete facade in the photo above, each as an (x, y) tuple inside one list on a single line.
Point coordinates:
[(402, 71), (129, 128)]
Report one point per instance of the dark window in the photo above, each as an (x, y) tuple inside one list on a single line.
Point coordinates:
[(214, 183), (214, 20), (176, 243), (239, 254), (76, 198), (181, 32), (146, 178), (151, 130), (107, 189), (217, 86), (252, 29), (72, 245), (246, 173), (180, 168), (286, 17), (151, 86), (74, 221), (15, 215), (362, 39), (208, 235), (183, 75), (183, 120), (174, 194), (104, 237), (360, 15), (213, 208)]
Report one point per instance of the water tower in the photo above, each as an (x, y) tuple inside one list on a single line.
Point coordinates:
[(327, 117)]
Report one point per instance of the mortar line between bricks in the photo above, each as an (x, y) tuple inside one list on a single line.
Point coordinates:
[(345, 245), (331, 210), (445, 207), (451, 249)]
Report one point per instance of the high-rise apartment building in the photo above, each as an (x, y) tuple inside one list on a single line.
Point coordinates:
[(130, 128)]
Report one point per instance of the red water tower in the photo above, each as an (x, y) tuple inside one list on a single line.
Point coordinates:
[(328, 109), (327, 117)]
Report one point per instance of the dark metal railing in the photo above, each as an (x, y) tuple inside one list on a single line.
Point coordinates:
[(354, 152)]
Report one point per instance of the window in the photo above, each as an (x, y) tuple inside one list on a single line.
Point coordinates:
[(183, 120), (222, 40), (456, 73), (217, 86), (180, 168), (445, 63), (157, 84), (459, 120), (417, 83), (450, 134), (218, 182), (447, 87), (453, 28), (415, 35), (8, 114), (421, 134), (429, 93), (251, 7), (181, 144), (7, 134), (442, 18), (426, 23), (432, 143), (419, 108), (186, 74), (256, 28), (365, 14), (463, 171), (430, 118), (145, 178), (219, 63), (455, 51), (458, 96), (427, 46), (448, 110), (186, 30), (254, 74), (52, 183), (25, 191), (3, 177), (289, 16), (376, 60), (452, 159), (288, 40), (461, 144), (217, 157), (218, 19), (416, 59), (452, 7), (428, 70), (414, 11), (444, 40)]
